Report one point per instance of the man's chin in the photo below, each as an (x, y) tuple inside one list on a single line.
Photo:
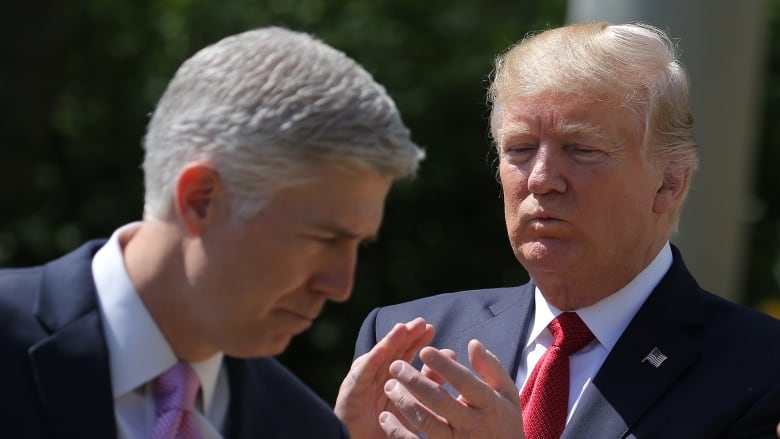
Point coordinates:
[(542, 250), (280, 344)]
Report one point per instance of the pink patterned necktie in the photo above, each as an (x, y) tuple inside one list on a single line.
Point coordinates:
[(174, 400), (545, 397)]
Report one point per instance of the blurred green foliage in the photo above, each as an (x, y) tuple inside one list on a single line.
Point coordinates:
[(762, 267), (79, 80)]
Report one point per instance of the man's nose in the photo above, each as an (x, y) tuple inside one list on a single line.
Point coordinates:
[(336, 276), (545, 173)]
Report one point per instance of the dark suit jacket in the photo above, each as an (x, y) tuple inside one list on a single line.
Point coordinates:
[(721, 378), (54, 364)]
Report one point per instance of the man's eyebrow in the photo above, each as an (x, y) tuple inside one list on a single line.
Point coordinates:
[(344, 233), (563, 128), (568, 128), (513, 130)]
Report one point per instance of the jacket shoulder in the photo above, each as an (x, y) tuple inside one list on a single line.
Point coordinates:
[(453, 306), (288, 406)]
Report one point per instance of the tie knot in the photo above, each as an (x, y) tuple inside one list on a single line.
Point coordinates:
[(570, 333), (176, 388)]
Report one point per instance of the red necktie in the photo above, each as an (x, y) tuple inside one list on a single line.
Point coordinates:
[(545, 396)]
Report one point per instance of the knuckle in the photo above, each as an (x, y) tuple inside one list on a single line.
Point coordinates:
[(440, 396), (413, 379), (401, 400), (395, 433), (422, 420)]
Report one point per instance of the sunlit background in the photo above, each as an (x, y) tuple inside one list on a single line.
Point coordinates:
[(79, 80)]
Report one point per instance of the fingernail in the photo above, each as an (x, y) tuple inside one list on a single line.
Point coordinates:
[(390, 385), (383, 417), (396, 368)]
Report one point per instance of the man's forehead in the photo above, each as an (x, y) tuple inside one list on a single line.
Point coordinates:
[(559, 124), (563, 116)]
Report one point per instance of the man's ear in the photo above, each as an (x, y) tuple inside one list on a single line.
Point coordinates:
[(672, 191), (195, 193)]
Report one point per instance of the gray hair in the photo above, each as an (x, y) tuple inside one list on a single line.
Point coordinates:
[(634, 65), (266, 107)]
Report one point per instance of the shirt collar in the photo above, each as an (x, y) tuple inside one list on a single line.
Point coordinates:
[(609, 317), (138, 352)]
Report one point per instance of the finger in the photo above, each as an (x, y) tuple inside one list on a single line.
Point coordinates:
[(492, 371), (363, 371), (437, 403), (371, 367), (414, 413), (418, 343), (405, 339), (421, 334), (473, 389), (431, 374), (393, 427), (361, 395), (360, 385), (402, 334)]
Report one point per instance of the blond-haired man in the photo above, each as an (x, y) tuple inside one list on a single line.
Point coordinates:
[(612, 337)]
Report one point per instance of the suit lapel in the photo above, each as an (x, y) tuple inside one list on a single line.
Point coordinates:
[(627, 385), (71, 365), (71, 370), (505, 329)]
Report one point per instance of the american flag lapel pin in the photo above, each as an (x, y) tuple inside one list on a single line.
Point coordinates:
[(655, 357)]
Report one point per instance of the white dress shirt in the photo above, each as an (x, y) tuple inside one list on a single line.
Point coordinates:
[(606, 319), (138, 352)]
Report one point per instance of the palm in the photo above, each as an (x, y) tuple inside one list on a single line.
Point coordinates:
[(362, 396)]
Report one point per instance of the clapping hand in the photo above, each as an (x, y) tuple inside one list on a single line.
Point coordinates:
[(361, 397), (488, 405)]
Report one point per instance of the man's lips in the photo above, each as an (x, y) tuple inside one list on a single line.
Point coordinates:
[(544, 222), (308, 311), (544, 217), (303, 316)]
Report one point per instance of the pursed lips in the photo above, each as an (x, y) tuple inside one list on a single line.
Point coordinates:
[(541, 215), (543, 222)]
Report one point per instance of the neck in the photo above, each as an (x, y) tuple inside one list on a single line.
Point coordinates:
[(154, 258)]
